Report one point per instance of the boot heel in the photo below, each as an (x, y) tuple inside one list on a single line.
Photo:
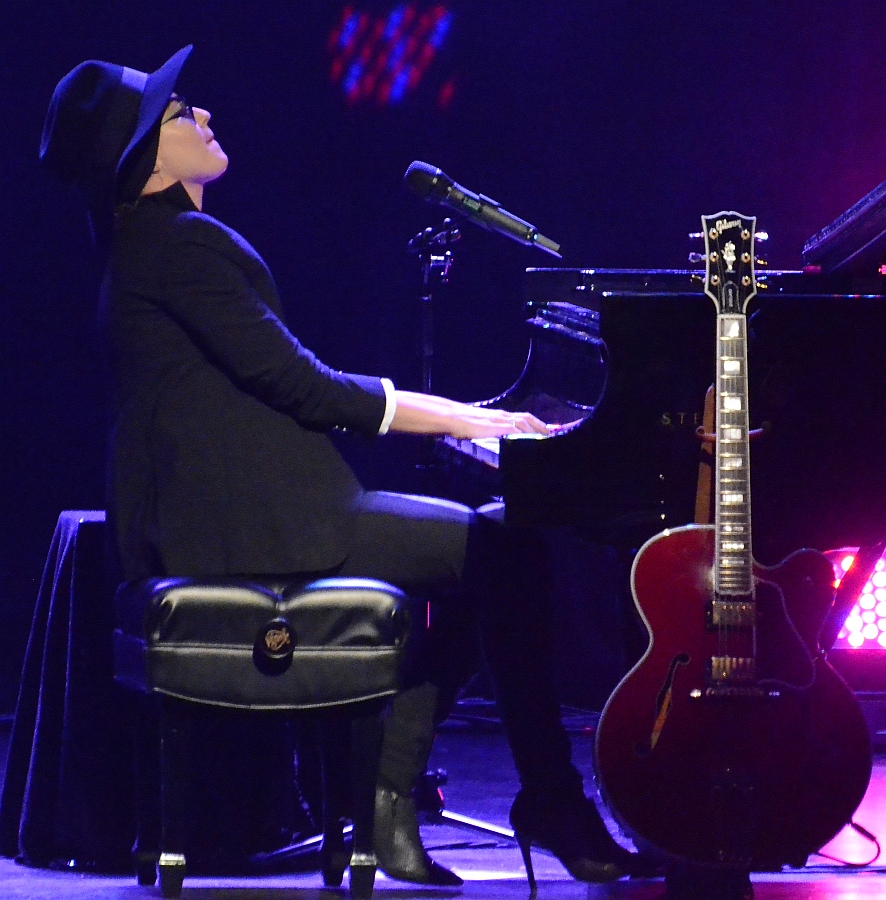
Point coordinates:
[(332, 865), (524, 844), (334, 856)]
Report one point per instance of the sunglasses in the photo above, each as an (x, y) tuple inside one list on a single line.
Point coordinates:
[(183, 111)]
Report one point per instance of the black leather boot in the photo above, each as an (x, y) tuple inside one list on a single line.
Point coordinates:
[(398, 845), (572, 829)]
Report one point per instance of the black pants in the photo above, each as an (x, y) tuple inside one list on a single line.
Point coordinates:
[(479, 577)]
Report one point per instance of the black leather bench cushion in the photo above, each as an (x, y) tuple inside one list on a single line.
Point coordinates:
[(328, 642)]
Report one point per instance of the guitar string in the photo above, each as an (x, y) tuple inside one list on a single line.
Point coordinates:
[(737, 385), (731, 385), (722, 633), (735, 637), (730, 389)]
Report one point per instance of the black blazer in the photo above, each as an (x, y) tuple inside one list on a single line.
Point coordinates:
[(219, 459)]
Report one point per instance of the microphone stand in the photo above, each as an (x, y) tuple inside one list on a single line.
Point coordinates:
[(431, 246)]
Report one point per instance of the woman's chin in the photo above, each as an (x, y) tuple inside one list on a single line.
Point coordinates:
[(222, 165)]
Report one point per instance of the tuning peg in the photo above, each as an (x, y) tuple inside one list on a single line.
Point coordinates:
[(761, 262), (697, 258), (694, 276), (761, 235), (696, 235)]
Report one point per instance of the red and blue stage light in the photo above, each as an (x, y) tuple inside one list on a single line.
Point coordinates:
[(382, 59)]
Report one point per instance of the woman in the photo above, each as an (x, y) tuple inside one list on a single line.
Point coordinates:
[(221, 465)]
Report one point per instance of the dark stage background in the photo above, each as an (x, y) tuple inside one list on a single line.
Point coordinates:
[(612, 125)]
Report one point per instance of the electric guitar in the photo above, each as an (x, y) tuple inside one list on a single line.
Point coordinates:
[(732, 743)]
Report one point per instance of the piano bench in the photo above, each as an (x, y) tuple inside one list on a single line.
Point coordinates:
[(329, 648)]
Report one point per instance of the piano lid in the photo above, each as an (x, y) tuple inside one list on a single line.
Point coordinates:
[(585, 287), (817, 373), (855, 241)]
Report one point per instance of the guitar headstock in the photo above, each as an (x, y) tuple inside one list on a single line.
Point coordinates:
[(729, 254)]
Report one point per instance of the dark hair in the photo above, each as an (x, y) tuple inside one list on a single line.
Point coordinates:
[(137, 168)]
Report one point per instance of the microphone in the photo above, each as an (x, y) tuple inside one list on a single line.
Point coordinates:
[(432, 185)]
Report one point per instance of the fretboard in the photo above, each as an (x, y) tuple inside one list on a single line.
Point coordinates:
[(733, 574)]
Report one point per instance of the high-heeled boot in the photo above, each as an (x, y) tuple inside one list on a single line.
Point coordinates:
[(398, 845), (572, 829), (408, 737)]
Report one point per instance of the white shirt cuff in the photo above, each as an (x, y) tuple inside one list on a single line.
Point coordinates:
[(390, 405)]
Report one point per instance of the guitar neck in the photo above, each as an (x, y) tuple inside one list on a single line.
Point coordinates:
[(733, 573)]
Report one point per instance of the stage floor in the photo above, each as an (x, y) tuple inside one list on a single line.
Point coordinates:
[(481, 785)]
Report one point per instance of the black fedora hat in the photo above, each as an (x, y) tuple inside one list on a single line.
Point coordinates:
[(99, 115)]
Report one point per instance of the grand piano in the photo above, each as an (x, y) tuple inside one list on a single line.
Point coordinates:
[(626, 357)]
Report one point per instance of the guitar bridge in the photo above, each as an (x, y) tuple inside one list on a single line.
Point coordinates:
[(730, 677), (733, 670)]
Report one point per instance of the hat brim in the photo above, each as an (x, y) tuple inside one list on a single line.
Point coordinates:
[(155, 99)]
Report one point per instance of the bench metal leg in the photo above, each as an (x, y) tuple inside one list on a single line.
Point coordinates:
[(145, 731), (351, 739), (332, 732), (175, 740), (366, 743)]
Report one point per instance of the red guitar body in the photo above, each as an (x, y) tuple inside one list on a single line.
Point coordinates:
[(753, 778)]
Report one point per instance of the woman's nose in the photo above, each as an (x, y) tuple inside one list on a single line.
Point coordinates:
[(201, 115)]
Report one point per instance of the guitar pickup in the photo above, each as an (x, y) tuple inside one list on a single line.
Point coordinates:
[(731, 614)]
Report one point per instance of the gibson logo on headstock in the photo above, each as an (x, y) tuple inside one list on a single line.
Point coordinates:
[(724, 224)]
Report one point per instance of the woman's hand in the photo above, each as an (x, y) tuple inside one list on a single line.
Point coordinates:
[(481, 421), (428, 414)]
